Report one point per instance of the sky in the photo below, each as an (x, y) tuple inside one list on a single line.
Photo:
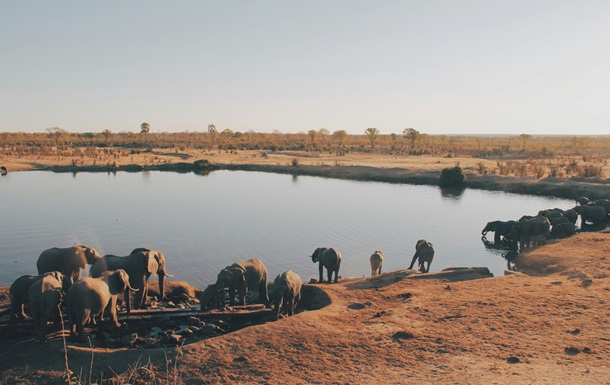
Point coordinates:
[(441, 67)]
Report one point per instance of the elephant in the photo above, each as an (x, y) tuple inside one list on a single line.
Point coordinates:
[(243, 277), (3, 170), (329, 259), (19, 295), (211, 297), (89, 298), (563, 230), (376, 262), (68, 261), (139, 265), (424, 252), (45, 296), (500, 228), (558, 220), (583, 201), (526, 228), (571, 215), (595, 215), (286, 291)]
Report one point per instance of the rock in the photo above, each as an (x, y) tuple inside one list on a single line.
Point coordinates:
[(572, 351), (403, 336), (513, 360)]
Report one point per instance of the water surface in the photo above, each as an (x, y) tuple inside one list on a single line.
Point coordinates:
[(204, 223)]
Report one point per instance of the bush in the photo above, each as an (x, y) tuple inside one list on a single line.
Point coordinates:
[(295, 162), (201, 164), (452, 177)]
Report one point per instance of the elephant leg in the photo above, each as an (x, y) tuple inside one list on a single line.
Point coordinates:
[(330, 275), (336, 274), (321, 270), (263, 293), (413, 262), (242, 294), (278, 307), (111, 307), (497, 237), (291, 306)]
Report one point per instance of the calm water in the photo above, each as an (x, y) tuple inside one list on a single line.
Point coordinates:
[(204, 223)]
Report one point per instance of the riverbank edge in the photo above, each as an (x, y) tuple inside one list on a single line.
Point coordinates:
[(571, 188)]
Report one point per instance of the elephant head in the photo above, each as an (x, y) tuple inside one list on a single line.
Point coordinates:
[(153, 262), (230, 276), (117, 281), (65, 280), (315, 257)]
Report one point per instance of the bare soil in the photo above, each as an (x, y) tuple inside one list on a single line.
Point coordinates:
[(546, 324)]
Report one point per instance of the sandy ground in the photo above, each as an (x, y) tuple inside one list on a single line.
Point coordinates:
[(547, 324)]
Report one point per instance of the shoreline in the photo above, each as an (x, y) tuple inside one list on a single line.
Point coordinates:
[(568, 188)]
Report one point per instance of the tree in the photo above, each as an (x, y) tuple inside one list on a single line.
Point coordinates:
[(411, 135), (525, 138), (145, 129), (312, 135), (372, 133), (212, 131), (106, 134), (56, 133), (340, 135)]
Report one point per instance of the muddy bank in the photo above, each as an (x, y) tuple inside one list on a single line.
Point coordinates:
[(563, 188)]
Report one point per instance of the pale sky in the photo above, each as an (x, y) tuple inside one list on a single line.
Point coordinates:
[(441, 67)]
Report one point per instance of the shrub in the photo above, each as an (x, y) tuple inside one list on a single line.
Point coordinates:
[(201, 164), (452, 177), (295, 162)]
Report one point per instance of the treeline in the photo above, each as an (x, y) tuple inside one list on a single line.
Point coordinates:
[(409, 142)]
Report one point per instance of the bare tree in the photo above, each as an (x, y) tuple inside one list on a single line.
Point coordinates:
[(340, 135), (372, 133), (145, 129), (212, 131), (56, 133), (525, 138)]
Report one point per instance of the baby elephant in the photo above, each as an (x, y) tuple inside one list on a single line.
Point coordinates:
[(89, 297), (45, 296), (376, 262), (287, 291), (424, 251), (329, 259)]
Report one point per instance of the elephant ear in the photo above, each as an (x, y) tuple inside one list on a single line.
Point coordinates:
[(153, 265)]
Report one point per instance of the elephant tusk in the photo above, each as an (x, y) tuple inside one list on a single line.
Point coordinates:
[(169, 275)]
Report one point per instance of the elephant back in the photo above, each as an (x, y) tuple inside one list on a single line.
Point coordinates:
[(331, 258), (255, 271), (109, 263)]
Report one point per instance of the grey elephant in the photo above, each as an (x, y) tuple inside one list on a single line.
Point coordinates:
[(563, 230), (524, 229), (424, 252), (90, 297), (45, 296), (329, 259), (68, 261), (594, 215), (211, 297), (19, 295), (500, 228), (243, 277), (139, 265), (286, 292), (376, 262)]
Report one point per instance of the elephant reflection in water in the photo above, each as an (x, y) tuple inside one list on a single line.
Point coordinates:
[(510, 257)]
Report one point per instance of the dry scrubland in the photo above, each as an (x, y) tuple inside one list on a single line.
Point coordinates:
[(545, 325)]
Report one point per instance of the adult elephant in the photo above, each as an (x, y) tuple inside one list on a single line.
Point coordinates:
[(376, 261), (329, 259), (500, 228), (139, 265), (424, 252), (45, 296), (89, 297), (595, 215), (242, 277), (524, 229), (563, 230), (286, 292), (68, 261)]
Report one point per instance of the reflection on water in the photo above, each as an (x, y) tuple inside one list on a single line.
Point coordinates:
[(453, 193), (204, 223)]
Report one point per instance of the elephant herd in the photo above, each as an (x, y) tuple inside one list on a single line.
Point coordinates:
[(549, 224), (89, 299), (58, 283)]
